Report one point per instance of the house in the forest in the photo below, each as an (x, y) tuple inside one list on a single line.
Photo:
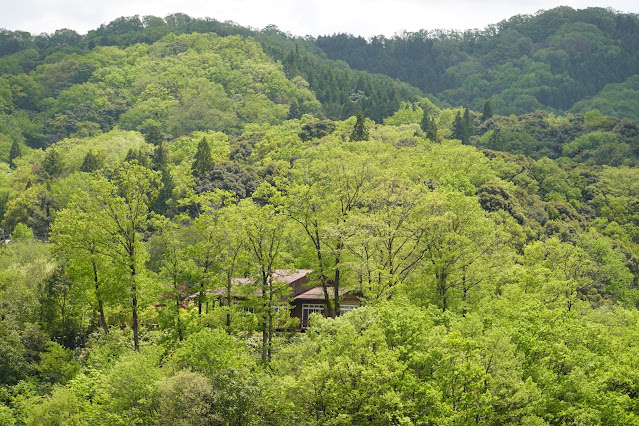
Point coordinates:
[(303, 300)]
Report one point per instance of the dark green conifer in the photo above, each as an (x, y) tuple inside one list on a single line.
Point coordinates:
[(431, 134), (160, 156), (488, 111), (90, 163), (294, 111), (202, 162), (132, 154), (469, 125), (160, 205), (137, 155), (425, 123), (154, 135), (14, 153), (360, 132), (459, 129), (52, 163), (496, 141)]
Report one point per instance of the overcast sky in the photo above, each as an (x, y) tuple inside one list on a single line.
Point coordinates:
[(299, 17)]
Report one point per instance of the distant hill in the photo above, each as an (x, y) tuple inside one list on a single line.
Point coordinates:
[(126, 73), (343, 92), (550, 60)]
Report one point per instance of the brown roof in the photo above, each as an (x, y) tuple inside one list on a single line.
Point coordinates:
[(317, 293), (280, 275)]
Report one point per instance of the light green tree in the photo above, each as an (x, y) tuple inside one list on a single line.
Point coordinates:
[(124, 204), (78, 234), (266, 231)]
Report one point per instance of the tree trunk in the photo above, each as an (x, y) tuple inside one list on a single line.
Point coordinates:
[(202, 291), (264, 342), (177, 308), (228, 301), (323, 278), (336, 289), (270, 316), (134, 298), (327, 299), (103, 323), (179, 324), (264, 324), (134, 305), (102, 320)]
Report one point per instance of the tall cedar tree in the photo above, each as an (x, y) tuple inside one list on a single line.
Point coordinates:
[(488, 111), (52, 163), (14, 153), (360, 132), (202, 162), (160, 157), (90, 163), (154, 136), (459, 130), (463, 127), (431, 133), (160, 205), (469, 125), (425, 123)]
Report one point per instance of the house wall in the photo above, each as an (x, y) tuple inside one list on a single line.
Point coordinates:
[(296, 310)]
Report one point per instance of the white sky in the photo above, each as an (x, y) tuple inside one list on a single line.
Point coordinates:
[(298, 17)]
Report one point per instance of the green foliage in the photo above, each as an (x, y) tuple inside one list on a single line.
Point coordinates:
[(52, 163), (463, 254), (57, 364), (551, 59), (211, 352), (14, 153), (360, 132), (13, 366), (130, 390), (488, 111), (202, 162), (316, 130), (91, 163), (22, 232), (186, 399), (104, 350), (62, 407)]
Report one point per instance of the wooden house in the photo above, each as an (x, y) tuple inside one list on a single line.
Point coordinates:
[(303, 300)]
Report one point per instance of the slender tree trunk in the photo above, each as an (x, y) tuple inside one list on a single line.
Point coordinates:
[(102, 320), (179, 323), (134, 298), (103, 323), (202, 291), (323, 278), (336, 289), (270, 317), (177, 308), (327, 298), (264, 323), (441, 287), (199, 299), (270, 335), (464, 294), (228, 301), (134, 306)]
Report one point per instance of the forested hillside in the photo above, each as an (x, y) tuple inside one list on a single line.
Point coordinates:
[(147, 165), (550, 60)]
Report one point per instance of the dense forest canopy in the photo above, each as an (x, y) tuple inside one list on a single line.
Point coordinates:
[(550, 60), (478, 194)]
